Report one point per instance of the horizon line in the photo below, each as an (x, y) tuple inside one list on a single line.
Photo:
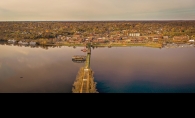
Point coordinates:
[(84, 20)]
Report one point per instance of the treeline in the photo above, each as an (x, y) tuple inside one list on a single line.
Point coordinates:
[(37, 30)]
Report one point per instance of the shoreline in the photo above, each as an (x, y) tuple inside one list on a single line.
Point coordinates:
[(154, 45), (148, 44)]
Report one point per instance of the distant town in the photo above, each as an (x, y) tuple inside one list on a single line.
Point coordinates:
[(99, 33)]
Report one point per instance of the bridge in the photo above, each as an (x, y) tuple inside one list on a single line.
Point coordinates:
[(85, 80)]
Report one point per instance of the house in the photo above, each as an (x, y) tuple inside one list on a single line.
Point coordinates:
[(134, 40), (180, 38), (124, 38), (127, 40), (165, 37), (191, 41), (101, 41), (59, 36), (141, 39), (155, 39)]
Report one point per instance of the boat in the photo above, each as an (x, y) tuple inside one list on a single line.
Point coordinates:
[(79, 58)]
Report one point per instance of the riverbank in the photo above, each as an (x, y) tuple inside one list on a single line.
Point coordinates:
[(149, 44), (154, 45)]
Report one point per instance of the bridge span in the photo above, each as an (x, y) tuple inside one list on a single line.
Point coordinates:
[(85, 81)]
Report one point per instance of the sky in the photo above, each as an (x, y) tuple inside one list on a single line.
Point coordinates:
[(84, 10)]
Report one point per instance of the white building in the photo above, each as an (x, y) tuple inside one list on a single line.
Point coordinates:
[(134, 34), (191, 41)]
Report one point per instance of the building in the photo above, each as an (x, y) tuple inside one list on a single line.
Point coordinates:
[(191, 41), (134, 34), (165, 37), (180, 38), (155, 39)]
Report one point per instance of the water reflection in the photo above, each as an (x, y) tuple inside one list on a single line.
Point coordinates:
[(31, 46), (137, 68), (122, 70), (41, 70)]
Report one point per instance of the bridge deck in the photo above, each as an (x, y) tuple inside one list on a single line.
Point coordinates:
[(85, 82)]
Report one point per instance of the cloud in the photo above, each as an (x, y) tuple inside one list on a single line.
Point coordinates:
[(95, 9)]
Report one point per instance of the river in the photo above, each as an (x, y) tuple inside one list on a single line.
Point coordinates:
[(116, 70)]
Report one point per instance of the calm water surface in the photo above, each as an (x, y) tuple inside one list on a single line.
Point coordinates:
[(116, 70)]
